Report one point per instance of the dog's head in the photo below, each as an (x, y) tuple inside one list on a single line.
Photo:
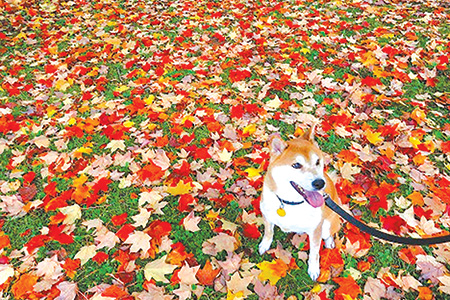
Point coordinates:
[(297, 166)]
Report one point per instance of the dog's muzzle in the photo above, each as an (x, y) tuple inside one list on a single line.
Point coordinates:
[(314, 198)]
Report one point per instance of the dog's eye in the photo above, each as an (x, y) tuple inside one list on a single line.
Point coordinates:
[(297, 166), (318, 162)]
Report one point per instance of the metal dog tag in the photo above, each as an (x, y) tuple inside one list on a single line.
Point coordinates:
[(281, 212)]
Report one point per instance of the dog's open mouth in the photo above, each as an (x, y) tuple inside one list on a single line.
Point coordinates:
[(315, 199)]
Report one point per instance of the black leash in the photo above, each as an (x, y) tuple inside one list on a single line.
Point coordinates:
[(382, 235)]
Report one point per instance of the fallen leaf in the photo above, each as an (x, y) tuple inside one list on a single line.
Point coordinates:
[(23, 286), (190, 222), (347, 288), (157, 269), (6, 272), (272, 271), (180, 189), (85, 254), (68, 290), (188, 274), (139, 241), (375, 288), (207, 274), (218, 243), (238, 284)]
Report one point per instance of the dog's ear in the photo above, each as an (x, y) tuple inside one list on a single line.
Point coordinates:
[(277, 145), (310, 133)]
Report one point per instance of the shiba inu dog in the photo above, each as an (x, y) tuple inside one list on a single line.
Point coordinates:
[(292, 196)]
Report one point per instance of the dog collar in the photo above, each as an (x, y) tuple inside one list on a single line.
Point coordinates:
[(280, 211), (289, 202)]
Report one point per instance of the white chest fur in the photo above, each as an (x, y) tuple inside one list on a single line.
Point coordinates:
[(302, 218)]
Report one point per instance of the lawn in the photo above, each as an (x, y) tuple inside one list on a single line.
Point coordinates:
[(133, 146)]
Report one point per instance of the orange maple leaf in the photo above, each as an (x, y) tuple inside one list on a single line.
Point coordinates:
[(70, 266), (4, 241), (347, 288), (114, 291), (178, 255), (425, 293), (151, 172), (331, 258), (207, 274), (23, 286)]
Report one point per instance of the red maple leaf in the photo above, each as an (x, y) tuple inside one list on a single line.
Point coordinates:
[(119, 219), (157, 229), (237, 111), (114, 292), (29, 177), (331, 258), (36, 242), (251, 231), (178, 254), (184, 202), (239, 75), (445, 147), (101, 185), (100, 257), (393, 223), (125, 231), (370, 81), (375, 203), (56, 233)]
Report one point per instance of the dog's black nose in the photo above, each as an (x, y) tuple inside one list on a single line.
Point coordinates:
[(318, 184)]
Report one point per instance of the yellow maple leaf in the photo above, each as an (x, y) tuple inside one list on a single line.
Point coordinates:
[(235, 296), (121, 88), (180, 189), (6, 272), (113, 41), (373, 137), (305, 50), (212, 215), (79, 152), (77, 182), (128, 124), (272, 271), (72, 213), (250, 129), (369, 59), (72, 121), (379, 72), (414, 141), (253, 172), (149, 99), (63, 85), (158, 269)]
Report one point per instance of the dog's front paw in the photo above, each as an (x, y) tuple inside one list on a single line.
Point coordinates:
[(314, 271), (264, 246)]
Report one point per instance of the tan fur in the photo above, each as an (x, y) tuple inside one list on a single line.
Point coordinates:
[(285, 154)]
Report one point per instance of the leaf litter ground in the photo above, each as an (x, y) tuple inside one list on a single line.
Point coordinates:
[(133, 145)]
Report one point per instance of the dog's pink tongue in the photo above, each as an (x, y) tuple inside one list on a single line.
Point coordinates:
[(314, 198)]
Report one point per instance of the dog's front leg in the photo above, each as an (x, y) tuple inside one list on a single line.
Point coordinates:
[(267, 238), (315, 240)]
